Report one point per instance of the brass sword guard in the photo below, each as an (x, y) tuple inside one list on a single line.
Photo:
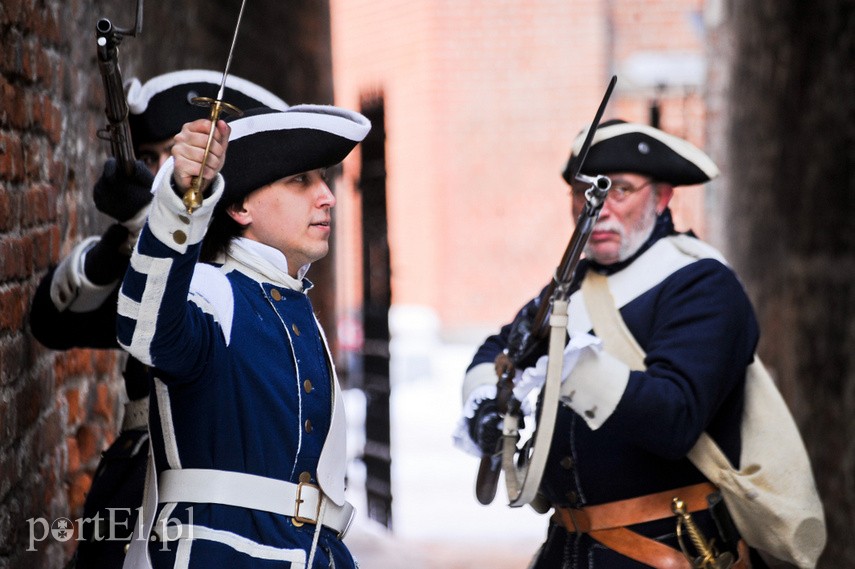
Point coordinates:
[(193, 196), (708, 557)]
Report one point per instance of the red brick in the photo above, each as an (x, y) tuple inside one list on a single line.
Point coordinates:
[(11, 158), (104, 406), (77, 489), (73, 454), (55, 240), (89, 442), (58, 173), (41, 205), (75, 413), (13, 308), (37, 156), (28, 58), (19, 109), (71, 364), (50, 27), (43, 240), (105, 361), (53, 123), (15, 256), (6, 220)]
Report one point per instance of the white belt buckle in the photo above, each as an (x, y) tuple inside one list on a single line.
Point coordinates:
[(299, 520)]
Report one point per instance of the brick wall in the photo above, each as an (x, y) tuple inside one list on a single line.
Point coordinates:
[(57, 411)]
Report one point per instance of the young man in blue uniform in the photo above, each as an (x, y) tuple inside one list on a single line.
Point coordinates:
[(75, 303), (623, 433), (247, 421)]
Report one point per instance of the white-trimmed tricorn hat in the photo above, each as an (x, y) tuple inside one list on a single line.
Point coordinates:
[(159, 107), (266, 145), (620, 146)]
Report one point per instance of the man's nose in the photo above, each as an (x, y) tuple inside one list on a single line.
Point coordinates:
[(327, 197)]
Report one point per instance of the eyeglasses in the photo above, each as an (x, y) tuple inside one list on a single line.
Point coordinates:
[(620, 190)]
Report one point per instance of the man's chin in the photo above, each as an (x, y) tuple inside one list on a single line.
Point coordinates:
[(604, 257), (603, 251)]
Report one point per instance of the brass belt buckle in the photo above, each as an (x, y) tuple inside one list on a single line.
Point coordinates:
[(299, 520)]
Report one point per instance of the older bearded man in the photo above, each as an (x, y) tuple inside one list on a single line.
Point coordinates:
[(623, 432)]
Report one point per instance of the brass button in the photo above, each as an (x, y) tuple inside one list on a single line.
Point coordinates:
[(307, 385), (295, 329), (305, 477), (276, 295), (179, 237), (566, 463), (308, 425), (184, 219)]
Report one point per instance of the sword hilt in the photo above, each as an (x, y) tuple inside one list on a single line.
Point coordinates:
[(193, 196), (708, 557)]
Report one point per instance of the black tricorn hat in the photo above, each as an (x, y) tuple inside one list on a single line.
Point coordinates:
[(159, 107), (266, 145), (620, 146)]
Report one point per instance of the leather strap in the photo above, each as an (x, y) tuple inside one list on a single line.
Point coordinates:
[(633, 510), (607, 322), (302, 501), (642, 549), (744, 561), (606, 524), (658, 555)]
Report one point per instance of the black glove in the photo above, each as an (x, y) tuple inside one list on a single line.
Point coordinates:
[(529, 347), (106, 262), (485, 426), (120, 196)]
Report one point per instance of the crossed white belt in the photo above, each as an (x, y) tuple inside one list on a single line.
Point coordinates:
[(301, 501)]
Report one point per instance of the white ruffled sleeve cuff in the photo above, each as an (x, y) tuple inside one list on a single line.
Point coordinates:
[(595, 386)]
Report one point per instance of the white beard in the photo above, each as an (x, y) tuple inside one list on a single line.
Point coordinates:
[(632, 240)]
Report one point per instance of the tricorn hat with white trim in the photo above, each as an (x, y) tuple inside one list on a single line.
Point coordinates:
[(620, 146), (266, 145), (159, 107)]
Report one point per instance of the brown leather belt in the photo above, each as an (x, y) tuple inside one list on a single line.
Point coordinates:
[(607, 524)]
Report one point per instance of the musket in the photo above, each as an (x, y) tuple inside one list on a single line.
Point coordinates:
[(528, 335), (118, 131)]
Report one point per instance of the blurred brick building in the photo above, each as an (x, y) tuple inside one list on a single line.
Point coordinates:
[(481, 100)]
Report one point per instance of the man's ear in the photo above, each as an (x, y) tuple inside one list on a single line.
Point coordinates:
[(239, 213), (664, 193)]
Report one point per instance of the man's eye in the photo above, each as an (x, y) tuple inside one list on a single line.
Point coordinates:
[(148, 159)]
